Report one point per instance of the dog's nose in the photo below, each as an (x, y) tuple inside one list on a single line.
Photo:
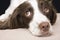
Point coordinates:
[(44, 26)]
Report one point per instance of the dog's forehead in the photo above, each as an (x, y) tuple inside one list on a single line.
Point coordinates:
[(16, 3)]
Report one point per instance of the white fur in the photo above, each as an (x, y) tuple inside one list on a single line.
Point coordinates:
[(13, 5), (37, 19)]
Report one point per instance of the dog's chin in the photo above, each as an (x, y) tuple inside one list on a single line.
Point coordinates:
[(41, 34)]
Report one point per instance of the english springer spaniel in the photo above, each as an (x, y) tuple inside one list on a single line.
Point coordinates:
[(36, 15)]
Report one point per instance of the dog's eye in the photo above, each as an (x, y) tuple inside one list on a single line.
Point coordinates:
[(46, 10), (28, 14)]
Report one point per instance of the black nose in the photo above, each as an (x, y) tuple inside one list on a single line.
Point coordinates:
[(44, 26)]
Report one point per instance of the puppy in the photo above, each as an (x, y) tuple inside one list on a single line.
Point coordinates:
[(36, 15)]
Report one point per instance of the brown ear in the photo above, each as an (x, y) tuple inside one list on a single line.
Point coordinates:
[(14, 19), (53, 17)]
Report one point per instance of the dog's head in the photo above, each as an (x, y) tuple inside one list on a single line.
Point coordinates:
[(36, 15)]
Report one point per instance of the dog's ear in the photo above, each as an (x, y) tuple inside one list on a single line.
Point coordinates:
[(53, 17), (15, 20), (54, 13)]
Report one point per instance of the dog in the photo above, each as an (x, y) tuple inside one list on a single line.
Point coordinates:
[(37, 16)]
